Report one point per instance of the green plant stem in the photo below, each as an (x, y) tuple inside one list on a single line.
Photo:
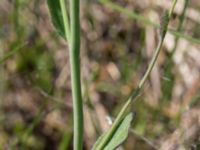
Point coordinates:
[(77, 101), (180, 26), (172, 8), (151, 65), (75, 74), (136, 92), (72, 33), (65, 20)]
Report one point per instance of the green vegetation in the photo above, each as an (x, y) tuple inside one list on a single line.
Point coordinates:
[(59, 85)]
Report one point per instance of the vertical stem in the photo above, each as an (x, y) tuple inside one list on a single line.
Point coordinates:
[(77, 100), (75, 74), (72, 34)]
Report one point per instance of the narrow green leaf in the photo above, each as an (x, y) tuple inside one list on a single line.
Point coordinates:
[(97, 143), (64, 144), (119, 135), (11, 53), (56, 16)]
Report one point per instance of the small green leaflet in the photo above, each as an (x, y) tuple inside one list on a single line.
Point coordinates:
[(119, 136), (56, 16)]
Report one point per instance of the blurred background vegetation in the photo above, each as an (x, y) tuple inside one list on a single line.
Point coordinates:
[(118, 40)]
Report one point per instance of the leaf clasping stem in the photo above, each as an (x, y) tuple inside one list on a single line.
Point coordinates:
[(72, 34), (65, 20)]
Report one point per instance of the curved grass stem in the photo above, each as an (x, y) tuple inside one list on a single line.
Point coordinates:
[(135, 93)]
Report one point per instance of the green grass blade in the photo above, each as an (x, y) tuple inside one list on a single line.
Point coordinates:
[(56, 16), (134, 15), (11, 53), (64, 144)]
